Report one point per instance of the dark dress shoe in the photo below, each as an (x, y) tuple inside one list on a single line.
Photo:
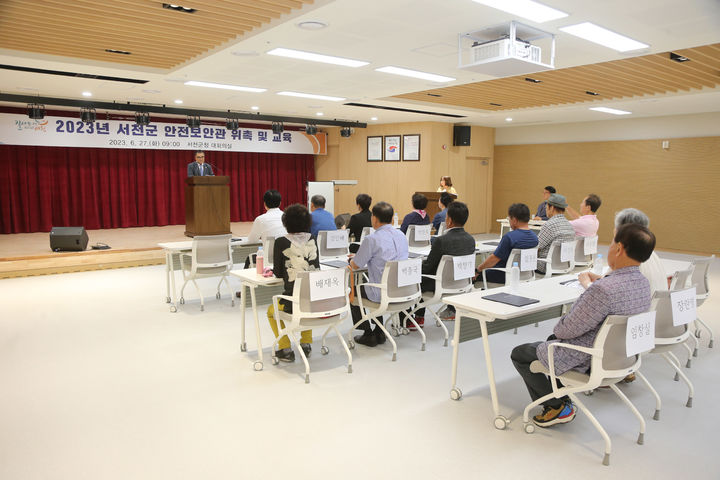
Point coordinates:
[(379, 336), (369, 339)]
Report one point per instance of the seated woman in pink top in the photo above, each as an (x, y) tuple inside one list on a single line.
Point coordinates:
[(585, 223)]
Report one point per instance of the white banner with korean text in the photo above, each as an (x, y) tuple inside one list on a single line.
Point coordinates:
[(16, 129)]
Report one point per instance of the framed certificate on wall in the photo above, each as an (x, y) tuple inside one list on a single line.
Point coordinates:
[(392, 148), (411, 148), (374, 149)]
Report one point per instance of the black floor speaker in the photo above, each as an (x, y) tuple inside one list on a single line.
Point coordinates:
[(68, 239)]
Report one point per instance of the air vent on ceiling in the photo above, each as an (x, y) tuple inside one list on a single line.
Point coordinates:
[(407, 110), (71, 74)]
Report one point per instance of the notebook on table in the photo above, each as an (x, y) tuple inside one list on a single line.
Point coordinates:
[(335, 263), (510, 299)]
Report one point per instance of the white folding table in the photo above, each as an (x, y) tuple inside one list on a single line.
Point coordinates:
[(549, 292)]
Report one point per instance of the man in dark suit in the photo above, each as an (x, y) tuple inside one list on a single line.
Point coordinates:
[(199, 168), (456, 242)]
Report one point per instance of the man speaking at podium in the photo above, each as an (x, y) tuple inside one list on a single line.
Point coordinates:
[(199, 168)]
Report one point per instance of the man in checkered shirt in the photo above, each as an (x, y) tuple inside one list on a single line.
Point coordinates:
[(624, 291), (556, 228)]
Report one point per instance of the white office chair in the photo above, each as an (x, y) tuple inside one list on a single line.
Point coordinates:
[(211, 257), (702, 286), (585, 254), (555, 262), (667, 337), (268, 251), (441, 229), (365, 232), (445, 286), (418, 235), (609, 365), (327, 252), (681, 279), (394, 300), (307, 315), (527, 272)]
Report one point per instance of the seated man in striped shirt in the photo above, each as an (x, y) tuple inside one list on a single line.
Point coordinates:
[(556, 228), (624, 291)]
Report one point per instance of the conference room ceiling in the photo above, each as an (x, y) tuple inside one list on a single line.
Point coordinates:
[(227, 42), (147, 33), (617, 79)]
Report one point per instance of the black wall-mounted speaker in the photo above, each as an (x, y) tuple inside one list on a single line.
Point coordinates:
[(461, 135)]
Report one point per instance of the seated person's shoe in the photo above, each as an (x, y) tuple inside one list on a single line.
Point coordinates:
[(630, 378), (552, 416), (306, 348), (419, 320), (369, 339), (285, 355), (379, 336), (447, 315)]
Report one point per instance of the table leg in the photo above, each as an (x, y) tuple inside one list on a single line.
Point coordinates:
[(500, 421), (258, 365), (171, 274), (243, 343), (455, 392)]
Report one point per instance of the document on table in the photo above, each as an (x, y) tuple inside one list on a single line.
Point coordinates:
[(510, 299)]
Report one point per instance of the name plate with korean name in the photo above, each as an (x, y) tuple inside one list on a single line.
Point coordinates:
[(422, 233), (463, 267), (567, 251), (640, 335), (590, 245), (326, 284), (528, 259), (684, 306), (409, 271), (337, 239)]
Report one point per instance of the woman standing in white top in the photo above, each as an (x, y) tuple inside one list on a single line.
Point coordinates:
[(446, 186)]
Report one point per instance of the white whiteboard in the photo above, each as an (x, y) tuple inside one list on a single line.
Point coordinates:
[(327, 190)]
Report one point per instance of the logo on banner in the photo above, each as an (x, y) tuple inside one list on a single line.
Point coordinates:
[(35, 125)]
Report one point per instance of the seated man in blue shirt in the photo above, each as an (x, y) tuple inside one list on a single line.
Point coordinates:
[(321, 218), (439, 218), (519, 237), (385, 244)]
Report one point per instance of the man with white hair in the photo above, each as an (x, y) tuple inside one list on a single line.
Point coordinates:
[(652, 268)]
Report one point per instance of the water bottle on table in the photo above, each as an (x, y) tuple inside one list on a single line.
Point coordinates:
[(599, 265), (259, 261), (514, 280)]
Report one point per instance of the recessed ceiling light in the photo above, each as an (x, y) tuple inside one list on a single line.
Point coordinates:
[(374, 119), (119, 52), (148, 90), (224, 86), (319, 114), (255, 107), (316, 57), (312, 95), (245, 53), (610, 110), (678, 58), (414, 73), (537, 12), (508, 119), (178, 8), (594, 94), (532, 80), (602, 36), (87, 94), (178, 101), (312, 25)]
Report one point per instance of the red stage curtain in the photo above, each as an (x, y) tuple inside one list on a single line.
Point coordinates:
[(45, 187)]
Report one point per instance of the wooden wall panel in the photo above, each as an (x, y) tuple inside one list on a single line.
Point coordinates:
[(678, 188), (395, 182)]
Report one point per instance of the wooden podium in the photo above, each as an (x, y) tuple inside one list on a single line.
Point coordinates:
[(432, 206), (207, 205)]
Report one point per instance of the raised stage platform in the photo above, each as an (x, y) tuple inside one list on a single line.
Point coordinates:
[(26, 254)]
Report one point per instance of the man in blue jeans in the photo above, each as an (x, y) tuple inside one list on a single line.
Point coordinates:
[(520, 237)]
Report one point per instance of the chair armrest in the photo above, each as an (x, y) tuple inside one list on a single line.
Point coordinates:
[(551, 357), (499, 269), (434, 277), (276, 304)]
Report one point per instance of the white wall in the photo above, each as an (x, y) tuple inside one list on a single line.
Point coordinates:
[(675, 126)]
